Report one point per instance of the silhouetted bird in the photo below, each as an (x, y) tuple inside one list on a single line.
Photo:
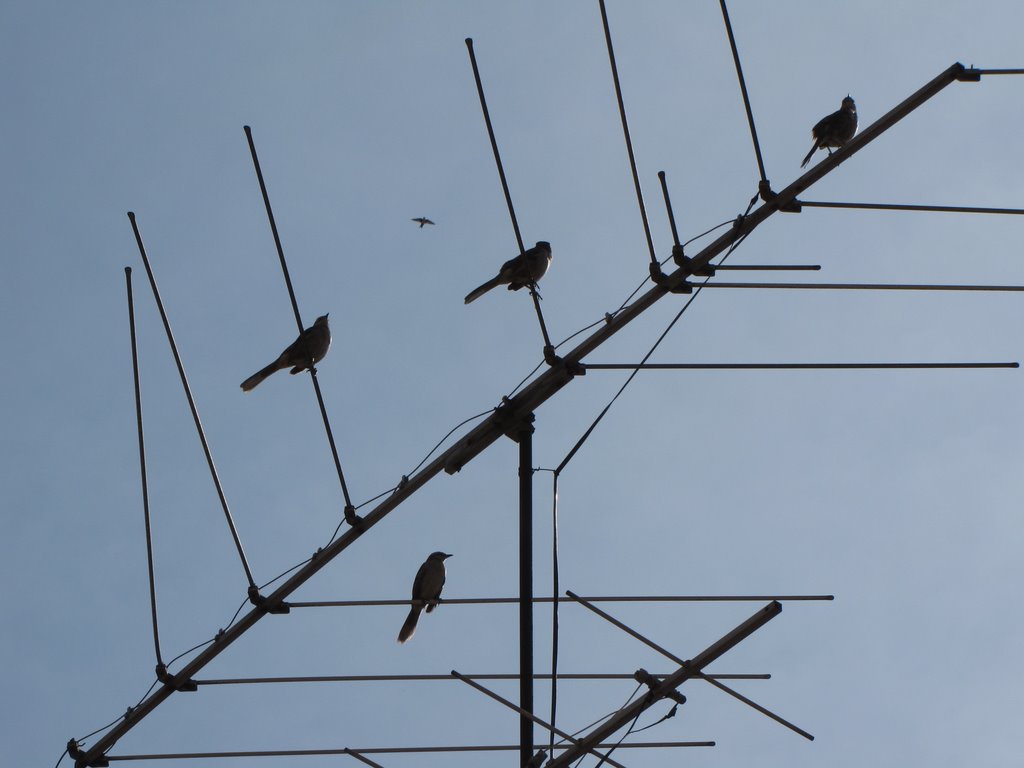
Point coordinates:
[(834, 130), (525, 269), (426, 589), (303, 353), (423, 220)]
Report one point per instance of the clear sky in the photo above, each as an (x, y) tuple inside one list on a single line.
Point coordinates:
[(897, 491)]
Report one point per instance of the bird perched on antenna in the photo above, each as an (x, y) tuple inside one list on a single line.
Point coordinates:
[(426, 591), (835, 129), (421, 220), (525, 269), (303, 353)]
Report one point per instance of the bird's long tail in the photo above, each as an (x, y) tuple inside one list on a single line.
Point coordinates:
[(410, 623), (807, 159), (259, 376), (476, 293)]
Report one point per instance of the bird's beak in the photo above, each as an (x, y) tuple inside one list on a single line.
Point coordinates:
[(447, 556)]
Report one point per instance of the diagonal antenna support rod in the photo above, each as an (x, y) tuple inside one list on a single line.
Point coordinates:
[(142, 469), (191, 404), (532, 396), (350, 511), (527, 715), (686, 671), (669, 655)]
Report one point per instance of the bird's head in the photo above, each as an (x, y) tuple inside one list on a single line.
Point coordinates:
[(322, 320), (848, 104), (544, 245), (439, 555)]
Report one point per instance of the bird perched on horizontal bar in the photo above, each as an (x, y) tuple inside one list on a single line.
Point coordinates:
[(426, 591), (421, 220), (835, 129), (525, 269), (302, 354)]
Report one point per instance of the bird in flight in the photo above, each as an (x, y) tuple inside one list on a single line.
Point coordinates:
[(525, 269), (834, 130), (421, 220), (305, 352)]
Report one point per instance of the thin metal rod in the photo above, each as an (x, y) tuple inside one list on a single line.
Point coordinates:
[(669, 655), (494, 143), (555, 589), (298, 321), (540, 319), (526, 714), (526, 719), (363, 759), (435, 678), (273, 228), (595, 599), (191, 405), (868, 286), (668, 208), (754, 705), (531, 397), (743, 90), (897, 207), (629, 713), (391, 750), (768, 267), (504, 186), (625, 133), (1000, 71), (782, 366), (142, 467)]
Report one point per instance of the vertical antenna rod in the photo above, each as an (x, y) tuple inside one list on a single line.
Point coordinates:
[(525, 437), (655, 267), (350, 512), (142, 468), (191, 403), (668, 208)]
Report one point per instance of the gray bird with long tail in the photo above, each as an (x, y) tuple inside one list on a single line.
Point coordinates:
[(525, 269), (302, 354), (426, 592)]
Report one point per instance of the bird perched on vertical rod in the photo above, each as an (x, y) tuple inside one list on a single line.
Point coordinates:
[(525, 269), (835, 129), (426, 591), (302, 354)]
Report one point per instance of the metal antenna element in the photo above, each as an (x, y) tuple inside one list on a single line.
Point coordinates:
[(436, 678), (142, 469), (686, 671), (191, 405), (869, 286), (350, 512), (668, 654), (898, 207), (529, 398), (743, 90), (525, 437), (549, 350), (668, 209), (527, 715), (785, 366), (655, 266), (591, 599)]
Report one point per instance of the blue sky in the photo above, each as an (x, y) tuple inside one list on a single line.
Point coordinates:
[(896, 491)]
